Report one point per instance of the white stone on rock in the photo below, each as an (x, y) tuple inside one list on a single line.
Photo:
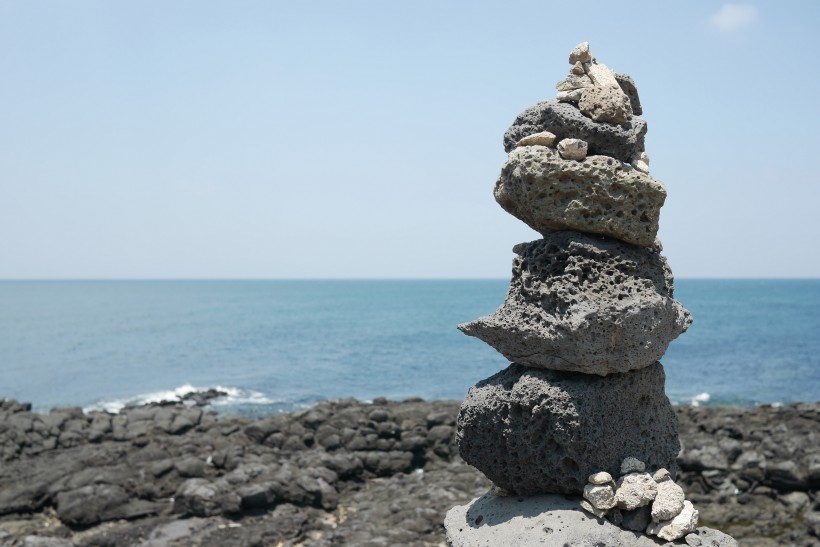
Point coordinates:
[(684, 523), (569, 96), (577, 68), (580, 54), (635, 490), (632, 465), (641, 166), (600, 478), (668, 502), (644, 157), (544, 138), (573, 149), (661, 475), (602, 75), (600, 496)]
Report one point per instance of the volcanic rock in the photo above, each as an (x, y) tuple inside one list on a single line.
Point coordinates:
[(545, 138), (536, 431), (678, 527), (628, 86), (668, 502), (606, 104), (635, 490), (597, 195), (564, 120), (586, 304)]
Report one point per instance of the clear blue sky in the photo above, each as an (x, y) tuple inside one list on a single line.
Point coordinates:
[(157, 139)]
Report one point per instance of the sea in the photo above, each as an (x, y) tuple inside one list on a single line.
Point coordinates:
[(282, 345)]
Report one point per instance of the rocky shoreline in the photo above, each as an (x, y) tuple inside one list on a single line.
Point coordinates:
[(346, 473)]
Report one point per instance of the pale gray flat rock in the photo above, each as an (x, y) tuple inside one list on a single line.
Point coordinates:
[(557, 190), (585, 303), (490, 521), (533, 431)]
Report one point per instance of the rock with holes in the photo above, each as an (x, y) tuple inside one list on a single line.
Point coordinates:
[(635, 490), (584, 303), (564, 120), (599, 194), (533, 431), (669, 501), (685, 522)]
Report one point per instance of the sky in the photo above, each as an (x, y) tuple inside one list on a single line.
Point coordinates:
[(362, 139)]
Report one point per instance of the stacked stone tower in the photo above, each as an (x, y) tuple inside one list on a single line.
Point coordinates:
[(590, 307)]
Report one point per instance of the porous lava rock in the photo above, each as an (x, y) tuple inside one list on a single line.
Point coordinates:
[(564, 120), (584, 303), (536, 431), (599, 195)]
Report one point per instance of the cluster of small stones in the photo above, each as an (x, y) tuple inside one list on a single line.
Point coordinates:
[(641, 501), (589, 312)]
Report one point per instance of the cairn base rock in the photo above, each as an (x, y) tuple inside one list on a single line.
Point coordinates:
[(599, 195), (545, 520), (565, 121), (533, 431), (584, 303)]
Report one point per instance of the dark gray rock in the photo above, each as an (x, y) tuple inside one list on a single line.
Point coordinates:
[(584, 303), (628, 86), (566, 121), (90, 504), (534, 431), (638, 519)]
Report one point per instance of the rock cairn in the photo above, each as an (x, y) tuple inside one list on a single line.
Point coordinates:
[(589, 312)]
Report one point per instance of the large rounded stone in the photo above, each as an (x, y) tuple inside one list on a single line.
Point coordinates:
[(565, 121), (598, 194), (585, 303), (538, 431)]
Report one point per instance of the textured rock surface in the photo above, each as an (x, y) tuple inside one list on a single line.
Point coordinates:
[(537, 520), (606, 104), (598, 195), (573, 149), (635, 490), (628, 86), (538, 431), (583, 303), (678, 527), (668, 502), (600, 496), (564, 120)]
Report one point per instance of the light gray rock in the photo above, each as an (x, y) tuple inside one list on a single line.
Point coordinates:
[(574, 82), (577, 68), (600, 478), (682, 524), (600, 496), (641, 166), (709, 537), (569, 96), (597, 195), (661, 475), (537, 520), (584, 303), (573, 149), (534, 431), (635, 490), (632, 465), (580, 54), (589, 508), (628, 86), (606, 104), (668, 502), (544, 138), (564, 120)]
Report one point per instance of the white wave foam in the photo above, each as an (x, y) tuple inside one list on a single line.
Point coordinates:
[(700, 398), (235, 396)]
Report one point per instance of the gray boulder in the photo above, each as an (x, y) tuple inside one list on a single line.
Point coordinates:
[(599, 194), (534, 431), (536, 520), (628, 86), (565, 120), (585, 303)]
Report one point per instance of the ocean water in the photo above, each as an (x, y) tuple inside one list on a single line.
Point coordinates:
[(279, 345)]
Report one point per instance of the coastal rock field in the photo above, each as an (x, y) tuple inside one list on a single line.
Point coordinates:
[(347, 473)]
